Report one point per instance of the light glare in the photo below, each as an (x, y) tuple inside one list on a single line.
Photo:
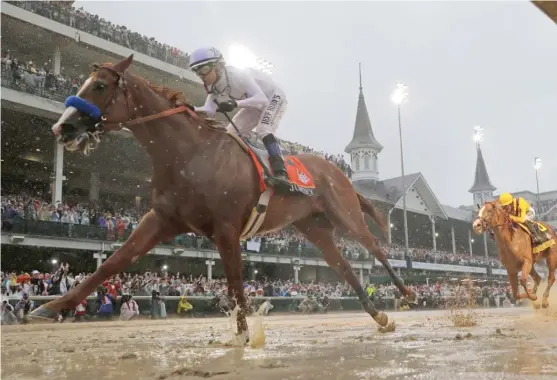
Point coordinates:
[(478, 134), (241, 57), (401, 93)]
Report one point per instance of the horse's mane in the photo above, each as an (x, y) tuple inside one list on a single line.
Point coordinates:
[(174, 97)]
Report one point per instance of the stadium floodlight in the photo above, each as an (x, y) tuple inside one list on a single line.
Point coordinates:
[(164, 267), (472, 240), (54, 261), (400, 96), (478, 134), (437, 234), (241, 57), (401, 93), (537, 166)]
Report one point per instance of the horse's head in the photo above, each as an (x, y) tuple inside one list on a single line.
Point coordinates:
[(489, 215), (100, 105)]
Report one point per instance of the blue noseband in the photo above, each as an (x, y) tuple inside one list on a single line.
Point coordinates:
[(83, 106)]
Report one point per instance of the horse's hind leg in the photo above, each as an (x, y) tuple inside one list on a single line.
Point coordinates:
[(320, 232), (552, 267), (345, 213)]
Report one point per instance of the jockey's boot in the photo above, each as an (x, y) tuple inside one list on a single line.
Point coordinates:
[(280, 175), (537, 235)]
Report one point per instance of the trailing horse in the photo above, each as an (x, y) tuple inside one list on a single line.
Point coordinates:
[(516, 251), (208, 182)]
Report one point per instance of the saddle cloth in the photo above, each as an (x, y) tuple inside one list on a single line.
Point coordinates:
[(298, 175), (540, 246)]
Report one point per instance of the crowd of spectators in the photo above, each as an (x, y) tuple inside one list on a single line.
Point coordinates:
[(63, 12), (118, 222), (119, 290), (37, 79), (176, 284)]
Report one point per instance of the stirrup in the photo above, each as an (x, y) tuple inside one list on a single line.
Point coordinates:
[(279, 181)]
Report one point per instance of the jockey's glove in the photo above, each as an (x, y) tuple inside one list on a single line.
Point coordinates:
[(227, 106)]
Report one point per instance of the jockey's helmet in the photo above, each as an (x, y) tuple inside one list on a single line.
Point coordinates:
[(505, 199), (203, 56)]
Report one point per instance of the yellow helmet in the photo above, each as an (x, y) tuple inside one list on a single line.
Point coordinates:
[(505, 199)]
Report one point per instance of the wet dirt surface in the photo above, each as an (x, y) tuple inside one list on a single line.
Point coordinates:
[(513, 343)]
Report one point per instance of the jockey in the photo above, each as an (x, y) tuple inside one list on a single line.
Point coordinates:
[(519, 211), (261, 102)]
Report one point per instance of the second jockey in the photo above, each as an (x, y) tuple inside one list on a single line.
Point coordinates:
[(260, 100), (519, 211)]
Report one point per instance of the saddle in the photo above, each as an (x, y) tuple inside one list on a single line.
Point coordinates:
[(300, 178), (541, 238)]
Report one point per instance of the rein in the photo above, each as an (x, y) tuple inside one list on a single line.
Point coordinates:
[(156, 116)]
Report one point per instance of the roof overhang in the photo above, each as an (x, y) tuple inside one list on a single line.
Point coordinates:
[(549, 8)]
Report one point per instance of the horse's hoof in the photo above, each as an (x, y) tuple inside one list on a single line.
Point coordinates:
[(382, 319), (545, 304), (43, 312)]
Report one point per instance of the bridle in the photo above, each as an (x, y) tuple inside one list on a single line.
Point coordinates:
[(100, 125), (484, 223)]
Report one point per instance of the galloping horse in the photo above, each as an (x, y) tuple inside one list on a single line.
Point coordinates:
[(205, 182), (516, 250)]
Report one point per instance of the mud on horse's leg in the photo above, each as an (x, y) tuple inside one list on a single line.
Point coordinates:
[(146, 236), (228, 245)]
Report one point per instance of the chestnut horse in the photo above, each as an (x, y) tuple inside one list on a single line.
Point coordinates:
[(516, 251), (204, 182)]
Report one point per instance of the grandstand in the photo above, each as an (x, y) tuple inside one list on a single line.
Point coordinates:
[(70, 207)]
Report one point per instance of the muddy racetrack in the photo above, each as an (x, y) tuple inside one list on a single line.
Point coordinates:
[(426, 345)]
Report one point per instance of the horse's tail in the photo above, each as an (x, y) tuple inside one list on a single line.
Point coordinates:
[(375, 214)]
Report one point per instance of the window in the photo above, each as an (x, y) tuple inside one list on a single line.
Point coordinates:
[(366, 161)]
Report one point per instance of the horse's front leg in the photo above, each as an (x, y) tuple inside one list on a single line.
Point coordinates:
[(527, 266), (227, 242), (147, 235), (513, 279)]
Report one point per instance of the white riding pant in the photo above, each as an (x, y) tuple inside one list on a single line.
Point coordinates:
[(530, 214), (265, 122)]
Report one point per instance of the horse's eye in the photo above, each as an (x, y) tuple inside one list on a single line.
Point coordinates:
[(99, 86)]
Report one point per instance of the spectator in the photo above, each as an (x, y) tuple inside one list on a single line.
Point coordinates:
[(129, 308)]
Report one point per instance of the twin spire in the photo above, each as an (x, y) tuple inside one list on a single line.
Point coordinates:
[(363, 133)]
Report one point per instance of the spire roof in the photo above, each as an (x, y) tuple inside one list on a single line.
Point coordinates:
[(481, 178), (363, 133)]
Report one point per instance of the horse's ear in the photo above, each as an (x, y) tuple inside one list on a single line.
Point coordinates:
[(124, 64), (477, 204)]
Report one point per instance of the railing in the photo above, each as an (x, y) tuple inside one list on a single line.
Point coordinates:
[(206, 306), (94, 232), (37, 85)]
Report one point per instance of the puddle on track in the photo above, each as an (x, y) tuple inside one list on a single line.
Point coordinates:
[(336, 346)]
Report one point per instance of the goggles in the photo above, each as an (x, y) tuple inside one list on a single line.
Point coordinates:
[(203, 70)]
